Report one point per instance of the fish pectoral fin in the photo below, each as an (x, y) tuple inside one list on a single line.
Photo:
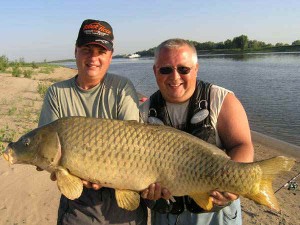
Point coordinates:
[(203, 200), (127, 199), (68, 184), (57, 156)]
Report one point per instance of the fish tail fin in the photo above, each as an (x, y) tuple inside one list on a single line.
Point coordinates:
[(270, 168)]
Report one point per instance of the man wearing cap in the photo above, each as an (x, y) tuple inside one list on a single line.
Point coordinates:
[(93, 93)]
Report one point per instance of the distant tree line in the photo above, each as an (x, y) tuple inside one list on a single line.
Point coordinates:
[(241, 43)]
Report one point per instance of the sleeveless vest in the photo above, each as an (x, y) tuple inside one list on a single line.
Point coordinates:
[(203, 130), (199, 100)]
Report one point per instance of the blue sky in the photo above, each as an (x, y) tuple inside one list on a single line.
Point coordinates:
[(38, 30)]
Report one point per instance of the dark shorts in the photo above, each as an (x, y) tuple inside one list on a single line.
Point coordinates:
[(98, 207)]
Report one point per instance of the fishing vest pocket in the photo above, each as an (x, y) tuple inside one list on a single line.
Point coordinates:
[(181, 204)]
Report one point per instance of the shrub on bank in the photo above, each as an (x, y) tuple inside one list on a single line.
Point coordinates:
[(28, 73), (47, 70), (4, 64), (42, 88), (16, 72)]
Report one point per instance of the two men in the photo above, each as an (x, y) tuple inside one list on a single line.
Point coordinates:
[(96, 93)]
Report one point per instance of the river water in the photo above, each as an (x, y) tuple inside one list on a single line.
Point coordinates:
[(266, 84)]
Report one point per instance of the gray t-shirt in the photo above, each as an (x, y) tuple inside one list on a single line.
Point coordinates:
[(114, 98)]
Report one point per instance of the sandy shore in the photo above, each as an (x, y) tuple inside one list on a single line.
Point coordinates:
[(30, 197)]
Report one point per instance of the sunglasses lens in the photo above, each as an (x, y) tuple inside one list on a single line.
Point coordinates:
[(183, 70), (166, 70)]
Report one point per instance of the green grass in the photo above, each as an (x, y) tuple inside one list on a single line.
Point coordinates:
[(16, 67), (28, 73), (42, 88), (16, 72), (12, 111), (1, 147), (34, 65), (46, 70), (4, 64), (7, 135)]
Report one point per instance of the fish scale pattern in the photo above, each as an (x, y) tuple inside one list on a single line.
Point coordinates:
[(129, 155)]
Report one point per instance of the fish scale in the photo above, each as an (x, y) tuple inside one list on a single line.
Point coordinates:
[(129, 156)]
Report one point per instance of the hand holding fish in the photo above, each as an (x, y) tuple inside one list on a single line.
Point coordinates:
[(88, 184), (222, 198), (156, 191)]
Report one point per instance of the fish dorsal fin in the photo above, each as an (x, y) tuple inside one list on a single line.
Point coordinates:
[(68, 184), (203, 200), (127, 199)]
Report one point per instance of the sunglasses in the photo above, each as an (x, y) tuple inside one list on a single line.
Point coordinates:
[(184, 70)]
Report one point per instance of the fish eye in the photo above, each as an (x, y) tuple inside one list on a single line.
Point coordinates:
[(26, 141)]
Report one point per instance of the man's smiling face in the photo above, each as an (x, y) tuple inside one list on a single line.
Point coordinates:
[(175, 86)]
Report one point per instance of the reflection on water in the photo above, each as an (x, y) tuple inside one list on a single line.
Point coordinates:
[(268, 87), (266, 84), (254, 56)]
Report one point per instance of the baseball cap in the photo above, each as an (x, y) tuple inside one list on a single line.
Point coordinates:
[(95, 32)]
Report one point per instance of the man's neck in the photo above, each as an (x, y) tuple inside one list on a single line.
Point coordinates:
[(87, 83)]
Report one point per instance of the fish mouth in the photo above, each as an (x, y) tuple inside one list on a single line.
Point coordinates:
[(8, 155)]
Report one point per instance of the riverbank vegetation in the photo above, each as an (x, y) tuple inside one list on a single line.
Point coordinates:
[(20, 68), (240, 44), (237, 45)]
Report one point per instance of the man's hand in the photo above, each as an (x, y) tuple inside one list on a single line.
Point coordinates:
[(155, 192), (88, 184), (222, 198)]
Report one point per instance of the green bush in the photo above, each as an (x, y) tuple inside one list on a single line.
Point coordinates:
[(34, 65), (3, 63), (42, 88), (16, 72), (1, 148), (18, 63), (47, 70), (28, 73), (12, 111), (7, 135)]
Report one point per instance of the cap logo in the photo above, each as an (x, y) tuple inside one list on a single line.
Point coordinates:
[(96, 29), (102, 41)]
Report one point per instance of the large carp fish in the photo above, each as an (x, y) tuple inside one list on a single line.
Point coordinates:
[(129, 156)]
